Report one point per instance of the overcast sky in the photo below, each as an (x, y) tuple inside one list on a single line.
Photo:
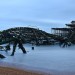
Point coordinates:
[(36, 12)]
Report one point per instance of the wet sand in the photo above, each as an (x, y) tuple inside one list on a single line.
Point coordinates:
[(14, 71), (5, 70)]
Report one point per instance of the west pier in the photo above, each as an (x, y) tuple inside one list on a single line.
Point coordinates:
[(39, 37)]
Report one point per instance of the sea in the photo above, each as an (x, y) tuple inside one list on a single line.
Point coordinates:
[(51, 59)]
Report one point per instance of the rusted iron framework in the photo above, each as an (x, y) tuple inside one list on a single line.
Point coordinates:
[(38, 37), (28, 34), (68, 32)]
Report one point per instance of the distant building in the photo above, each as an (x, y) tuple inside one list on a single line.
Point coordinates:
[(71, 25), (64, 31)]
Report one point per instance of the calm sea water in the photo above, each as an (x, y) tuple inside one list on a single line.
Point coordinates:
[(46, 58)]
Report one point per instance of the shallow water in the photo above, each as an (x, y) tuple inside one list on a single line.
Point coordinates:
[(44, 58)]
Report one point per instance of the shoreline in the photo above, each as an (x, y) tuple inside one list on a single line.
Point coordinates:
[(17, 69), (7, 68), (14, 71)]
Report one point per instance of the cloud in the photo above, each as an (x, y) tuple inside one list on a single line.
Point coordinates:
[(36, 12)]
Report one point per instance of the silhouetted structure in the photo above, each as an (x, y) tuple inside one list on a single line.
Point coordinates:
[(39, 37), (28, 35), (68, 33), (17, 41), (7, 47), (2, 56)]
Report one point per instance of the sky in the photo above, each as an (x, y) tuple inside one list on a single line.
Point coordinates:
[(36, 13)]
